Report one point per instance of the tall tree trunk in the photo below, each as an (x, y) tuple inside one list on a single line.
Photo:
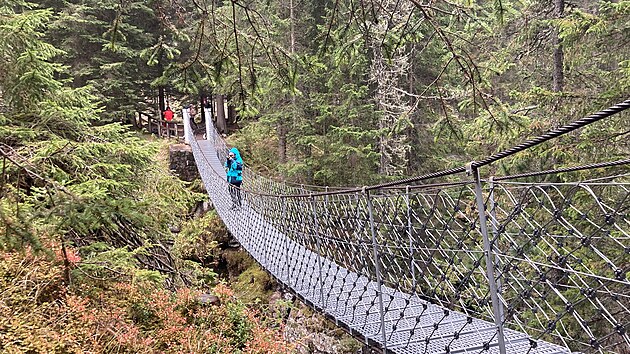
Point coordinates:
[(161, 104), (282, 140), (221, 121), (161, 94), (558, 55), (202, 110), (231, 112)]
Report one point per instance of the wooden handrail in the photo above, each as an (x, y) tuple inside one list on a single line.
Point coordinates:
[(159, 127)]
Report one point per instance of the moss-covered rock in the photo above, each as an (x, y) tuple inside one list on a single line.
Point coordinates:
[(254, 285), (235, 262), (315, 334)]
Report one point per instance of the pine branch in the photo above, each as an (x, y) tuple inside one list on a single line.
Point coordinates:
[(11, 152)]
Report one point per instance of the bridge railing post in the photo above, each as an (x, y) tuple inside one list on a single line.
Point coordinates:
[(186, 119), (488, 256), (377, 266), (412, 267), (209, 127), (319, 250), (286, 239), (359, 225)]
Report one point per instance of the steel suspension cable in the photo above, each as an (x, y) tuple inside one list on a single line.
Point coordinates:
[(556, 133), (518, 148), (595, 117)]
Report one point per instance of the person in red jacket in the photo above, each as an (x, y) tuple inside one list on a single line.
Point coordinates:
[(168, 114)]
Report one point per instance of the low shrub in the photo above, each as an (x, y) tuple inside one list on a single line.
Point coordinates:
[(40, 313)]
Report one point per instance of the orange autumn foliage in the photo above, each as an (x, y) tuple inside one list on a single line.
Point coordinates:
[(39, 313)]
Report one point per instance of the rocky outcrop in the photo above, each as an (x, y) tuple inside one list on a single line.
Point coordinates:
[(182, 162), (315, 334)]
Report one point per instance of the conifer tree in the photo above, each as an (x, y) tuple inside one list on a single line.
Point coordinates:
[(119, 48), (63, 179)]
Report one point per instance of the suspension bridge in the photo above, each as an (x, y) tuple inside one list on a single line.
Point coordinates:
[(453, 261)]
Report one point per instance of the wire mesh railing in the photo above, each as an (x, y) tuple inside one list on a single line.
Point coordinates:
[(562, 257), (466, 265)]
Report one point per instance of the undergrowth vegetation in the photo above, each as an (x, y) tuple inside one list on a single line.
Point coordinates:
[(40, 313)]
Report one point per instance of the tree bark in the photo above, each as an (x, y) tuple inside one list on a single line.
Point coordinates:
[(282, 141), (221, 121), (231, 113), (202, 111), (161, 104), (388, 72)]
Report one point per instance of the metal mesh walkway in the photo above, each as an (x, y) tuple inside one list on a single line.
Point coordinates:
[(417, 268)]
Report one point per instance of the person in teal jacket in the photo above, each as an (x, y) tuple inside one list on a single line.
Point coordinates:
[(234, 172)]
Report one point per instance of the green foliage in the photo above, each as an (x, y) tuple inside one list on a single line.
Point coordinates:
[(97, 188), (198, 276), (107, 44), (237, 261), (241, 329), (200, 237), (350, 345), (101, 260), (478, 81), (28, 76)]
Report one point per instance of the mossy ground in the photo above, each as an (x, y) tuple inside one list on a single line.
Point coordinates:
[(254, 285)]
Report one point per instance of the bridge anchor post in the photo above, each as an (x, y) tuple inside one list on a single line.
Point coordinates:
[(187, 130)]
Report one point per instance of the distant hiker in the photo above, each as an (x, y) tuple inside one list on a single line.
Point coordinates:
[(192, 112), (234, 169), (168, 114)]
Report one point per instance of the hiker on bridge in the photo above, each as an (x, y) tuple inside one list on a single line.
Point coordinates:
[(234, 169)]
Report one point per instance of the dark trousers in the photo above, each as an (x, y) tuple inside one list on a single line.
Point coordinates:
[(235, 192)]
